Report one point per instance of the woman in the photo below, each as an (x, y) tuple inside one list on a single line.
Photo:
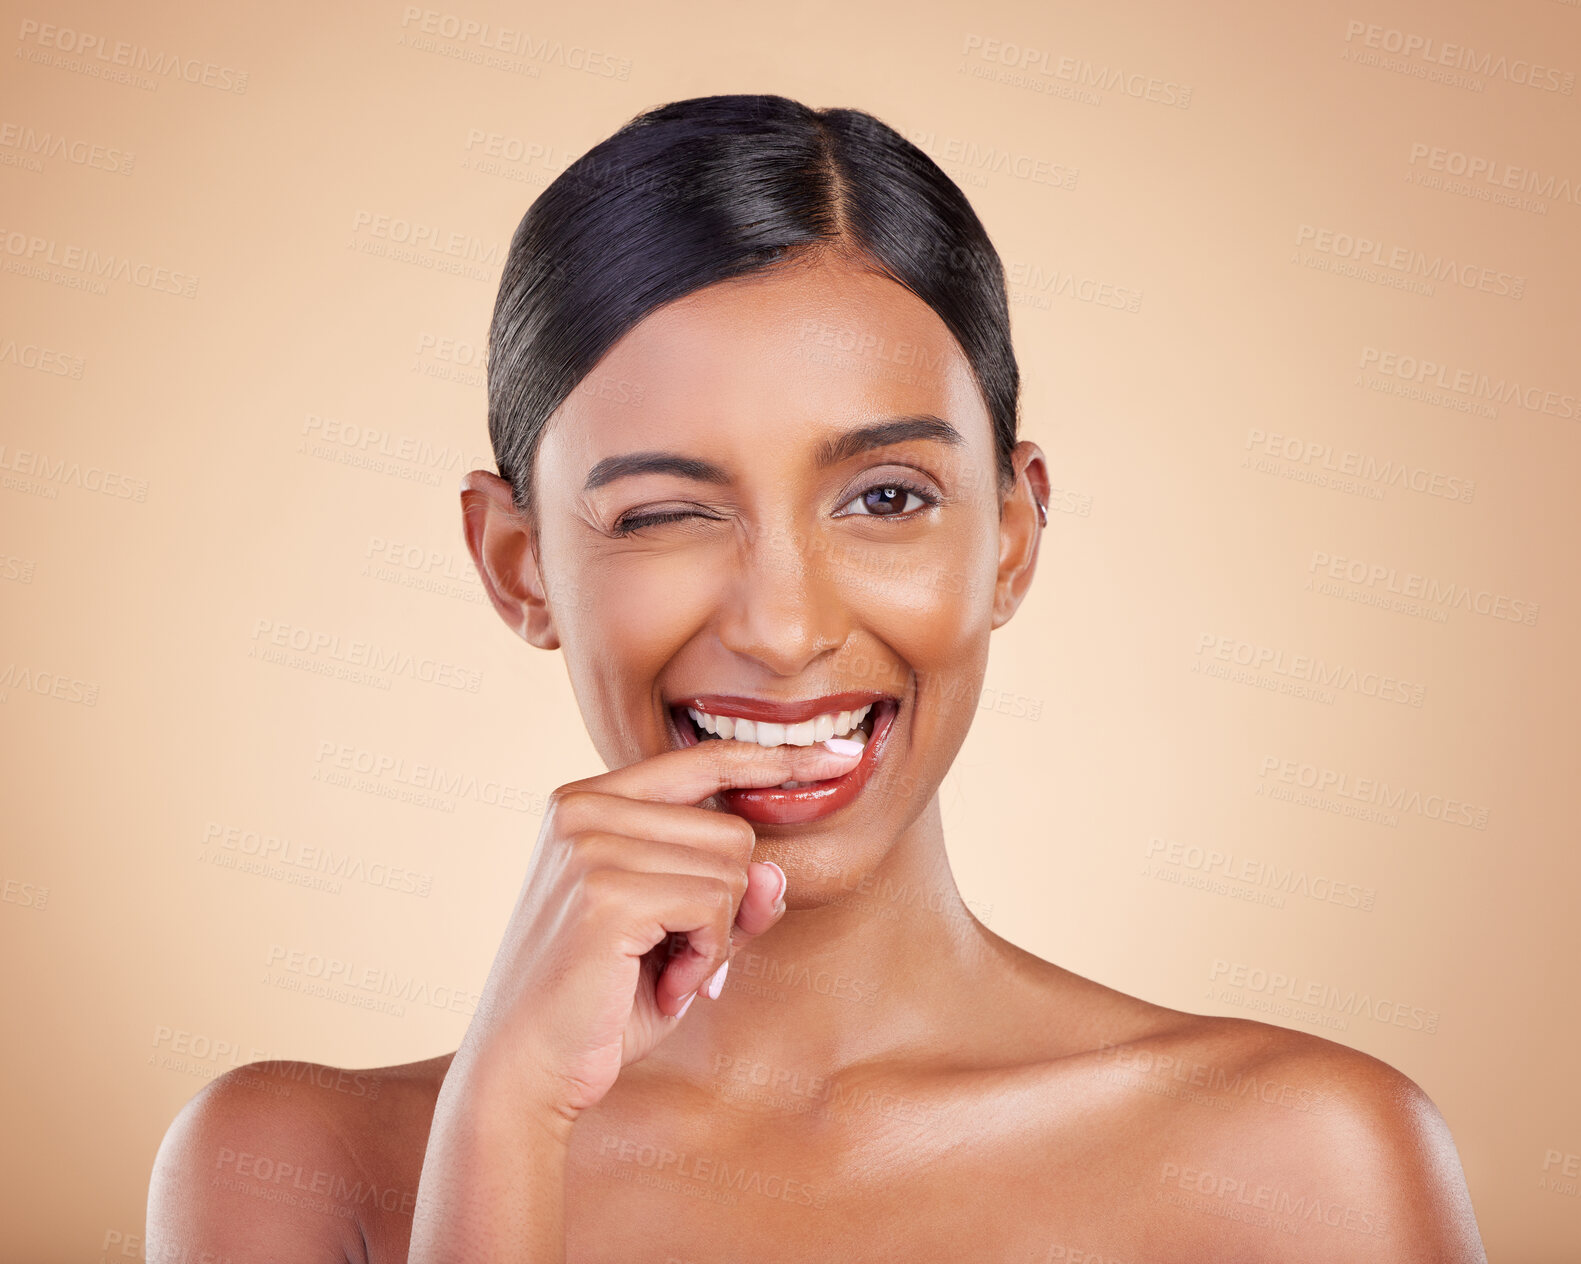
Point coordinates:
[(725, 339)]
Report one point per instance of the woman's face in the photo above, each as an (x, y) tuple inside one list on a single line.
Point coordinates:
[(770, 550)]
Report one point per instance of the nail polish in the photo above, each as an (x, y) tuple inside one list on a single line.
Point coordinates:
[(779, 896), (716, 981)]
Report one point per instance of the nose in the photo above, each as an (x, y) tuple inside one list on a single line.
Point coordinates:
[(782, 608)]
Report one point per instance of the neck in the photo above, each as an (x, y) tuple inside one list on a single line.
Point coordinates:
[(884, 963)]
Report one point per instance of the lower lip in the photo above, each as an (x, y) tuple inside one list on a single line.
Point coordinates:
[(769, 805)]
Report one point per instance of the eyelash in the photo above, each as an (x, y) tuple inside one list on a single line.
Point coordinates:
[(630, 525)]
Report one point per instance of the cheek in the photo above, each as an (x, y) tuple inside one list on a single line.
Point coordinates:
[(932, 610), (619, 629), (627, 618)]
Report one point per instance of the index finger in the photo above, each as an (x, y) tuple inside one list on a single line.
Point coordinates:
[(691, 773)]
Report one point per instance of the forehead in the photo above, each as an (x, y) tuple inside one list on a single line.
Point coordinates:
[(798, 351)]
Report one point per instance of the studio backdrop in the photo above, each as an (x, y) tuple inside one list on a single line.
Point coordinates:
[(1285, 729)]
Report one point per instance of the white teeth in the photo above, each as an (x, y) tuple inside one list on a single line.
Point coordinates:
[(767, 733)]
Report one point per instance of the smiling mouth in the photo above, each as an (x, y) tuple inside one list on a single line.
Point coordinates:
[(858, 724)]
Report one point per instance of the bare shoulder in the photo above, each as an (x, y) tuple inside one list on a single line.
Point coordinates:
[(1330, 1153), (1378, 1135), (293, 1160), (1239, 1139)]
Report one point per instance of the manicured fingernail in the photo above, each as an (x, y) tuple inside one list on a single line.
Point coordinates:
[(843, 745), (779, 894), (685, 1006), (716, 981)]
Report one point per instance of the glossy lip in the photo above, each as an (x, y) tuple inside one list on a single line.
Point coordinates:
[(769, 805)]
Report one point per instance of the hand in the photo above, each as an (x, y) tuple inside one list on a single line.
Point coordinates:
[(635, 896)]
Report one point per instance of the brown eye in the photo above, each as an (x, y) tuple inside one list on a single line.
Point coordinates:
[(891, 500), (885, 500)]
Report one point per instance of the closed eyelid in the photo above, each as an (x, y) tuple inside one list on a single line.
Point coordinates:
[(636, 519)]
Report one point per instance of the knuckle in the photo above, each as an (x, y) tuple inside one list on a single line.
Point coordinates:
[(744, 836), (722, 898), (568, 804), (589, 849), (587, 839), (713, 890), (602, 887)]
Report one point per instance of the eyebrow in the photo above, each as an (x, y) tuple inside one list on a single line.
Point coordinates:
[(833, 451)]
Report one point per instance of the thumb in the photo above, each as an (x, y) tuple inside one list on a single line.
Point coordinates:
[(762, 905)]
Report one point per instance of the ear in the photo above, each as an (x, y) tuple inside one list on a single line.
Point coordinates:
[(505, 552), (1020, 529)]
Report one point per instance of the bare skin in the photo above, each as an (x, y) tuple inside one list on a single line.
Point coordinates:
[(881, 1076)]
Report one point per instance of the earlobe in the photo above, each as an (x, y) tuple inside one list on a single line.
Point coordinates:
[(505, 554), (536, 624), (1021, 524)]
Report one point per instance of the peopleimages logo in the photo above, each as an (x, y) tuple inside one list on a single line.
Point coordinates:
[(1491, 171), (83, 267), (277, 641), (1391, 472), (1294, 990), (312, 858), (1026, 59), (1409, 261), (331, 972), (395, 777), (1443, 594), (1374, 791), (1478, 386), (1414, 47), (429, 237), (29, 355), (101, 57), (1213, 863), (55, 472), (32, 146), (483, 43), (1310, 669)]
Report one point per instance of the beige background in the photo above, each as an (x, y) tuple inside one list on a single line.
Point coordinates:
[(189, 477)]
